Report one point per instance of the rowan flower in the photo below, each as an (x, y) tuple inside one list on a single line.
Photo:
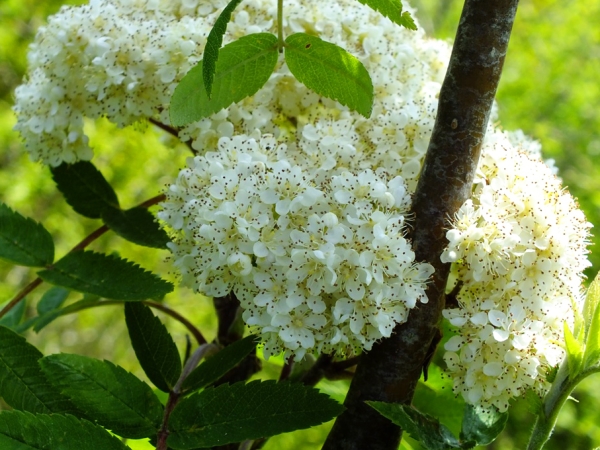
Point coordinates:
[(299, 206), (518, 248), (310, 271)]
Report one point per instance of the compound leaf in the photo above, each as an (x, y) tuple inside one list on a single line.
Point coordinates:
[(41, 321), (52, 299)]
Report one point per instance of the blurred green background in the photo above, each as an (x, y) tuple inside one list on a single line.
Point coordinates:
[(550, 89)]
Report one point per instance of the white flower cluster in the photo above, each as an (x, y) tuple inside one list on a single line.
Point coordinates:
[(319, 263), (298, 205), (519, 249), (119, 59)]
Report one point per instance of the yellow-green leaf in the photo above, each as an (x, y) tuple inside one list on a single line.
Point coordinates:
[(330, 71)]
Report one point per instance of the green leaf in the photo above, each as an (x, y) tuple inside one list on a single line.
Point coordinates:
[(247, 411), (105, 276), (52, 299), (213, 43), (330, 71), (153, 346), (137, 225), (113, 397), (575, 351), (392, 9), (13, 318), (84, 188), (25, 431), (24, 241), (219, 364), (22, 384), (244, 66), (422, 427), (482, 425)]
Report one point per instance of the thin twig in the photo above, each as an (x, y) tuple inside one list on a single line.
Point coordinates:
[(20, 296), (287, 369), (172, 131), (189, 325), (152, 201)]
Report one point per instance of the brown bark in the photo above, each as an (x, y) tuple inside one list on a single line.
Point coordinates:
[(391, 370)]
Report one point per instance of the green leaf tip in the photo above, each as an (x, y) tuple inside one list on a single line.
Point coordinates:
[(392, 9), (234, 413), (213, 43), (243, 67), (330, 71), (24, 241), (106, 276)]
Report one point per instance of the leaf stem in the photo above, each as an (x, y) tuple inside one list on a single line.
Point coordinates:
[(20, 296), (186, 323), (176, 393), (554, 400), (172, 131), (163, 433), (287, 369), (280, 41)]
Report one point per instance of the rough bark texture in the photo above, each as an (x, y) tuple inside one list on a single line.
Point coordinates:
[(391, 370)]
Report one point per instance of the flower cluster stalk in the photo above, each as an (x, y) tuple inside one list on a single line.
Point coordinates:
[(559, 393)]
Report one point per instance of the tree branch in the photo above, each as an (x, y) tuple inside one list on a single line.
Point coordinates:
[(391, 370)]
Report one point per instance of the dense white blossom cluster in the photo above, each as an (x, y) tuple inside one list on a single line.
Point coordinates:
[(118, 59), (319, 263), (518, 248), (298, 206)]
